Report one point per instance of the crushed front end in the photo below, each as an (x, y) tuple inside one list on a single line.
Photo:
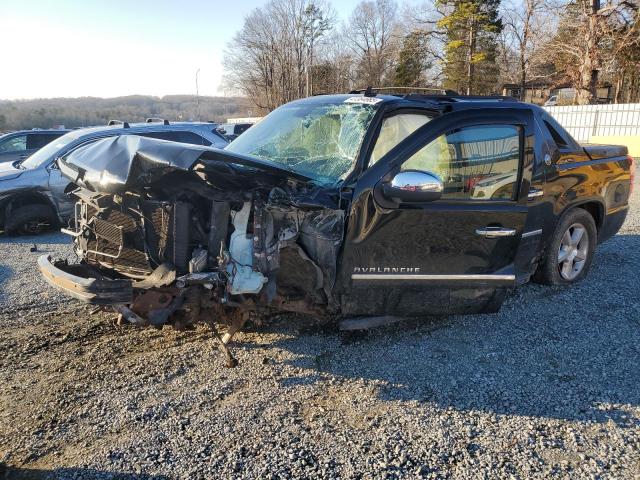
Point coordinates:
[(211, 238)]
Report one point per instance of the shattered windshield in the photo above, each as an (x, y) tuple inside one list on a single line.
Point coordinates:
[(318, 140)]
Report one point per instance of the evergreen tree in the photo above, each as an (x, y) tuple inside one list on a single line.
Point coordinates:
[(412, 60), (471, 28)]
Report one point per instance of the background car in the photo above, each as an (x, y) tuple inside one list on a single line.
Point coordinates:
[(231, 131), (33, 192), (19, 145)]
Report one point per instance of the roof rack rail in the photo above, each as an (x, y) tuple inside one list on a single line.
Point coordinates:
[(459, 98), (157, 120), (428, 93), (374, 90), (118, 122)]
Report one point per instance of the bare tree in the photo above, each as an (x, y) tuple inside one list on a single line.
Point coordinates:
[(622, 62), (317, 21), (370, 32), (528, 24), (334, 69), (587, 40), (269, 59)]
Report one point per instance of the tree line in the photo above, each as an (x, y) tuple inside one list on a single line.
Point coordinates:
[(289, 49), (87, 111)]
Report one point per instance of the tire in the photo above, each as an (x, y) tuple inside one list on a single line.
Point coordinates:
[(553, 270), (30, 220)]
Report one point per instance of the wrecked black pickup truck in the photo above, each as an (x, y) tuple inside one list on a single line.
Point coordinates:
[(351, 207)]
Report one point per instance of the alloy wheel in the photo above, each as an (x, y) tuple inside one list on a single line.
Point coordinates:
[(573, 252)]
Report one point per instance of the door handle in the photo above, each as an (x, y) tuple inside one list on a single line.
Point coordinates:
[(535, 193), (495, 232)]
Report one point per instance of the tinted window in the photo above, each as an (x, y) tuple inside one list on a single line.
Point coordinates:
[(182, 137), (241, 127), (557, 138), (39, 140), (560, 136), (479, 163), (14, 144), (51, 150)]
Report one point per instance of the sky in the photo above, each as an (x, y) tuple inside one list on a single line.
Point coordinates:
[(109, 48)]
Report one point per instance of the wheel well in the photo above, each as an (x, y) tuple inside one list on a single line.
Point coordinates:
[(22, 200), (596, 210)]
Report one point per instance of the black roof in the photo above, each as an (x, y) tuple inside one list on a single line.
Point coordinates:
[(441, 102)]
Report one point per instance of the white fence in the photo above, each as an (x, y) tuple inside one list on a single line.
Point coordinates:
[(585, 121)]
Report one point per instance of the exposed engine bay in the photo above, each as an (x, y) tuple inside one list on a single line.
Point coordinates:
[(198, 245)]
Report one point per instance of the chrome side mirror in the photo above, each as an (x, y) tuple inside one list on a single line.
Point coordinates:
[(414, 186)]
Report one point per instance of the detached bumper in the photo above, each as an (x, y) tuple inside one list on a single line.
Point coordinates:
[(85, 283)]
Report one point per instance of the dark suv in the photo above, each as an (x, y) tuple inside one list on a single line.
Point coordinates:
[(32, 191), (365, 207), (19, 145)]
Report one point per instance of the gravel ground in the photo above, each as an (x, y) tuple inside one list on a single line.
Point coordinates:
[(549, 387)]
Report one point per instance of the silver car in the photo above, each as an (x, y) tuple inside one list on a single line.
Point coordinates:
[(33, 193)]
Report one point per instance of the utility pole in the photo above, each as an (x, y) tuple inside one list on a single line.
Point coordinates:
[(197, 97)]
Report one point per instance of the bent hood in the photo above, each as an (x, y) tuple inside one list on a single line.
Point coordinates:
[(116, 164), (9, 172)]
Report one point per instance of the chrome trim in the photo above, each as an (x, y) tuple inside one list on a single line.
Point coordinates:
[(535, 193), (532, 233), (495, 232), (417, 276), (416, 181)]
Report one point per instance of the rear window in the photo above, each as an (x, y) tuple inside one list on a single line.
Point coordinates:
[(39, 140), (241, 128)]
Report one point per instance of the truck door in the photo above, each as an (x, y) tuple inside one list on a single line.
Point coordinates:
[(435, 224)]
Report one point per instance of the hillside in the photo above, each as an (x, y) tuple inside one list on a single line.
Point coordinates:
[(84, 111)]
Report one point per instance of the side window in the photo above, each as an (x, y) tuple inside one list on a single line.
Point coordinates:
[(193, 138), (159, 135), (395, 129), (36, 141), (68, 151), (183, 137), (561, 137), (557, 138), (15, 144), (477, 163)]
